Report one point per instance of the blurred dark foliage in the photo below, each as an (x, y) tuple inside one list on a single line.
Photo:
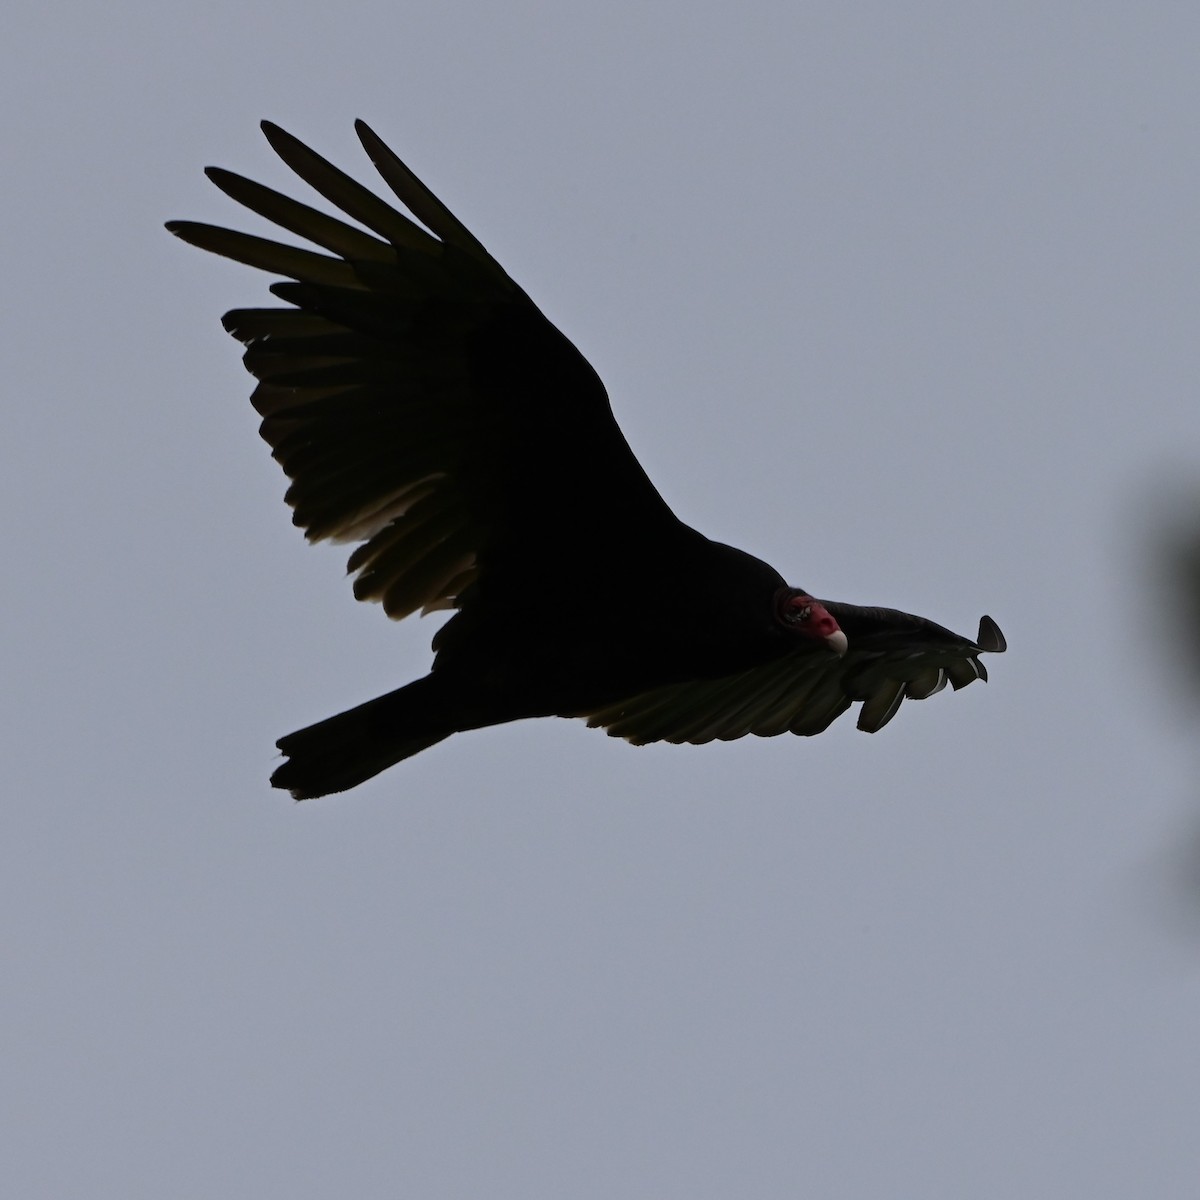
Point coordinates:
[(1176, 543), (1168, 532)]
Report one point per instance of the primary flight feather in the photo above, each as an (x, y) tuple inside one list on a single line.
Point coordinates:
[(424, 408)]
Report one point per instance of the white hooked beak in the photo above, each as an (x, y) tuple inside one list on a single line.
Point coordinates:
[(838, 643)]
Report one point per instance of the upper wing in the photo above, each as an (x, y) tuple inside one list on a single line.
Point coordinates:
[(417, 398), (892, 656)]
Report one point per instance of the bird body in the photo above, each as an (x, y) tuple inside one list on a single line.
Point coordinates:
[(425, 409)]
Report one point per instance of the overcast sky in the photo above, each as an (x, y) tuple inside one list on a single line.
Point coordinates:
[(902, 298)]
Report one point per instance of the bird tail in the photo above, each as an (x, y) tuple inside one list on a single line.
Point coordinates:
[(343, 751)]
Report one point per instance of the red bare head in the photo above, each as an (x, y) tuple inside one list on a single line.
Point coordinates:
[(800, 613)]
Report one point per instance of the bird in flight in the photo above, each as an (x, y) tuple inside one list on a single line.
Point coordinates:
[(425, 409)]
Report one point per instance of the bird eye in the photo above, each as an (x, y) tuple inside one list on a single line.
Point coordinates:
[(802, 614)]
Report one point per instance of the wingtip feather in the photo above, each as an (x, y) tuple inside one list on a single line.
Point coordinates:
[(990, 638)]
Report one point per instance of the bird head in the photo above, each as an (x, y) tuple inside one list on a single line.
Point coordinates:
[(799, 613)]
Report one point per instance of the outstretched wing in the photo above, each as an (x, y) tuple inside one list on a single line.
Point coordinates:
[(892, 656), (419, 401)]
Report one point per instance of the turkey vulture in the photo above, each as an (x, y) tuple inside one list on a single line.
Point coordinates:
[(424, 408)]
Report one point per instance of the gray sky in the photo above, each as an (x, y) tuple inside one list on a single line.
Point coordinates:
[(901, 298)]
